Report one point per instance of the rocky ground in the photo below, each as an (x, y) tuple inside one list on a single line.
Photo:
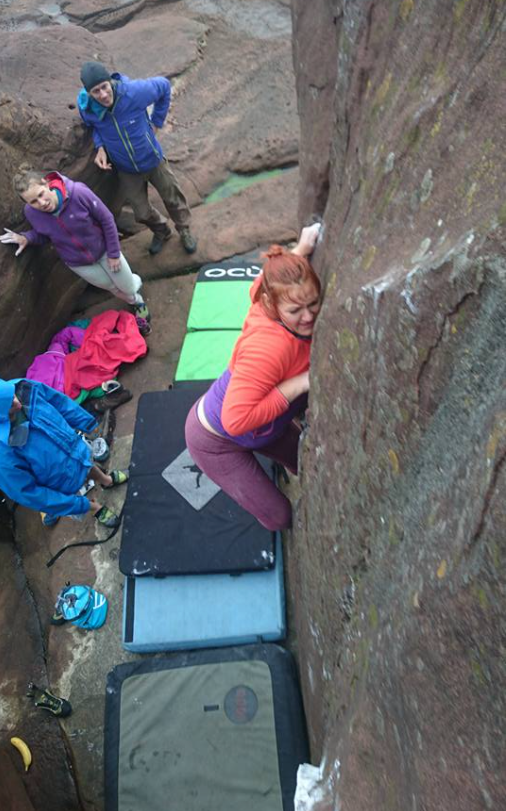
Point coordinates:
[(234, 111)]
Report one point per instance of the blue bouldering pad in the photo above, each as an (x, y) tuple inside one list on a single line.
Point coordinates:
[(204, 611)]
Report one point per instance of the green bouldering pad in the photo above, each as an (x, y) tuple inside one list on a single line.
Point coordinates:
[(221, 298), (219, 306), (204, 731), (205, 354), (209, 756)]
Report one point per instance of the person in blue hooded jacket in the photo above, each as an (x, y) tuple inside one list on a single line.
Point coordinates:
[(115, 108), (43, 460)]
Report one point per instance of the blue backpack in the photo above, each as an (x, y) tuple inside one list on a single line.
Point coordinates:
[(82, 606)]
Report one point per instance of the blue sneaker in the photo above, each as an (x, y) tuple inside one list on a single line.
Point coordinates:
[(49, 520)]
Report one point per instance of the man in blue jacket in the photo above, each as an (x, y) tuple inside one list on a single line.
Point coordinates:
[(43, 461), (115, 108)]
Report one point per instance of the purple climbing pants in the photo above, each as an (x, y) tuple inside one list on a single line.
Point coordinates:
[(238, 473)]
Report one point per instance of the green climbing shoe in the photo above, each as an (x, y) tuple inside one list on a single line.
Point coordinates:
[(118, 477), (107, 518)]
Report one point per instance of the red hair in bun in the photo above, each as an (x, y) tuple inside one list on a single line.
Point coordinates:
[(283, 271), (274, 250)]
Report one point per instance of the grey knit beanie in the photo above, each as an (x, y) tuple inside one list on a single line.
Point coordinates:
[(93, 73)]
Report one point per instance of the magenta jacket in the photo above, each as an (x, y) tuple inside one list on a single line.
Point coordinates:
[(83, 230), (49, 368)]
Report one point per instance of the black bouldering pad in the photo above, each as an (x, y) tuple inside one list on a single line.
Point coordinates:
[(176, 520)]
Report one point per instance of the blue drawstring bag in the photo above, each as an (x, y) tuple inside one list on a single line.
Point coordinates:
[(82, 606)]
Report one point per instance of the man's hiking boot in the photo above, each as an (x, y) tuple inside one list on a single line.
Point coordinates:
[(188, 241), (158, 240), (117, 398), (107, 518), (57, 619), (141, 311), (47, 701)]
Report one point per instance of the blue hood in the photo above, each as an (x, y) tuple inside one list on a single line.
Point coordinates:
[(87, 102)]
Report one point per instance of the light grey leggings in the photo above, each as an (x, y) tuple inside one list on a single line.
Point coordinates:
[(124, 284)]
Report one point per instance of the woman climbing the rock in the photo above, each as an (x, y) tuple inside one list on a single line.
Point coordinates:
[(81, 228), (252, 405)]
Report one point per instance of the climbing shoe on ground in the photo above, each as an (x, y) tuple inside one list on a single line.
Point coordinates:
[(49, 520), (188, 241), (107, 518), (143, 326), (141, 311), (118, 477), (157, 242), (47, 701), (100, 449), (57, 619), (110, 385)]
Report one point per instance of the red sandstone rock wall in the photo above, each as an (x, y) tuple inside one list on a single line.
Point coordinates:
[(38, 125), (399, 553)]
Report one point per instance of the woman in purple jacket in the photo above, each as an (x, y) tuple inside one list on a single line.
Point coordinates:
[(81, 228)]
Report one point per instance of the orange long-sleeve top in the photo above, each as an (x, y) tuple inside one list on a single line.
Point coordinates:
[(245, 400)]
